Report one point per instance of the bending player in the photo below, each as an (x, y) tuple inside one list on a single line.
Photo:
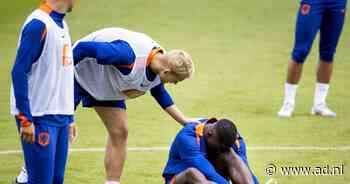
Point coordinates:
[(115, 64), (191, 159)]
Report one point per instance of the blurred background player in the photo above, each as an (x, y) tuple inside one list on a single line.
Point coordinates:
[(189, 161), (115, 64), (314, 15), (42, 94)]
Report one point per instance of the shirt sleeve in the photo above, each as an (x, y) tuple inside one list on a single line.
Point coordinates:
[(117, 52), (29, 50), (162, 96), (190, 153)]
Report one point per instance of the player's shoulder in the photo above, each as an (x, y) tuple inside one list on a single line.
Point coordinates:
[(190, 126), (187, 130), (38, 14), (34, 26)]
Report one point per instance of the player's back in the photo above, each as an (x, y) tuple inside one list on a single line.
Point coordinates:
[(140, 42), (117, 85), (175, 164)]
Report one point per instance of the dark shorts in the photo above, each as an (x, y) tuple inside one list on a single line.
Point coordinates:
[(324, 16), (81, 95)]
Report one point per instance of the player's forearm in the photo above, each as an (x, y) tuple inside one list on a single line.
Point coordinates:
[(176, 114), (239, 173), (239, 178), (30, 48), (20, 87)]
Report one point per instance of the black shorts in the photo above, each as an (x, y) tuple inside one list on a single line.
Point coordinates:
[(81, 95)]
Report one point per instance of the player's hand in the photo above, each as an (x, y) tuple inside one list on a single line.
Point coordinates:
[(28, 133), (73, 132)]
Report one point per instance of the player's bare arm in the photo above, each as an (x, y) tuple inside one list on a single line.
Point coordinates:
[(238, 172)]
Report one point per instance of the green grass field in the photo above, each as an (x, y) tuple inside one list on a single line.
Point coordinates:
[(241, 49)]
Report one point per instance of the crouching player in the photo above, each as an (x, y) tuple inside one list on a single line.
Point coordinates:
[(113, 65), (225, 163), (190, 153)]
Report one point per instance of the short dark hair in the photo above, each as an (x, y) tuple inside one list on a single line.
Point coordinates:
[(227, 133)]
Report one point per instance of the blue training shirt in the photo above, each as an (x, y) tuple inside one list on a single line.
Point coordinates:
[(119, 53), (189, 150), (30, 48)]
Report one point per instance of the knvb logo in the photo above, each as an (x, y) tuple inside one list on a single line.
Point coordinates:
[(44, 138), (305, 9)]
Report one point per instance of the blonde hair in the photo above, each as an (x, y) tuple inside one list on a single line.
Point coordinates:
[(181, 64)]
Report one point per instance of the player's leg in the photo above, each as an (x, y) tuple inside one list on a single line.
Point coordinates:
[(331, 28), (307, 25), (189, 176), (39, 157), (61, 154), (115, 121)]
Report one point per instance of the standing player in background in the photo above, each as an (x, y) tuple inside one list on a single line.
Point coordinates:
[(115, 64), (42, 94), (314, 15)]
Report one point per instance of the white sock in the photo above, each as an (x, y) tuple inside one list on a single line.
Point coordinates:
[(112, 182), (290, 91), (321, 92)]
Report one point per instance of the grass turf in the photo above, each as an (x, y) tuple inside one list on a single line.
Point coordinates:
[(240, 48)]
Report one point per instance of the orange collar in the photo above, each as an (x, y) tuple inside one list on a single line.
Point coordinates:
[(238, 144), (46, 8), (153, 53), (199, 132)]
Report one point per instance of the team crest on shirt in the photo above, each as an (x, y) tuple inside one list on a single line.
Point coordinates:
[(305, 9), (44, 138)]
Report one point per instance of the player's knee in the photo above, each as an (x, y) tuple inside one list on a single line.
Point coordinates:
[(120, 131), (327, 55), (299, 55), (193, 174)]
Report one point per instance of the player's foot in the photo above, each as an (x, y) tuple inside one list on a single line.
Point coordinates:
[(286, 110), (322, 110), (22, 178)]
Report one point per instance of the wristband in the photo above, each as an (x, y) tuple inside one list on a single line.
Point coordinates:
[(24, 121)]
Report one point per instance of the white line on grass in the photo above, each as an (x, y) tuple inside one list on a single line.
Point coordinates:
[(162, 149)]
